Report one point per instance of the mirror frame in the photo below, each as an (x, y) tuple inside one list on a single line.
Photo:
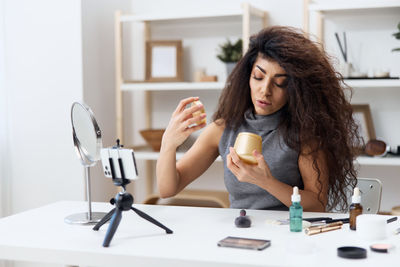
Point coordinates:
[(86, 159)]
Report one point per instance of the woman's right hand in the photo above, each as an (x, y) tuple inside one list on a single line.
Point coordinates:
[(178, 129)]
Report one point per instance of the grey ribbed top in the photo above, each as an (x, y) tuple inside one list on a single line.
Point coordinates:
[(282, 161)]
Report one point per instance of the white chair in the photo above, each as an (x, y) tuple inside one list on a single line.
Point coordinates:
[(371, 193)]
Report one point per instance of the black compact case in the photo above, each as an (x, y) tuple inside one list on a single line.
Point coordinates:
[(352, 252)]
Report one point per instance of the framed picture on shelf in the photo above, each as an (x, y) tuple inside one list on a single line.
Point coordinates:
[(164, 61), (362, 116)]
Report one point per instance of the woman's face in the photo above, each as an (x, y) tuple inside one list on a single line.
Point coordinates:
[(268, 86)]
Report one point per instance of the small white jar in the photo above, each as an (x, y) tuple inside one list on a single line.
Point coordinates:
[(371, 226)]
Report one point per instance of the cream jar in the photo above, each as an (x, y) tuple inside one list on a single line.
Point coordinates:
[(372, 226), (199, 112), (245, 144)]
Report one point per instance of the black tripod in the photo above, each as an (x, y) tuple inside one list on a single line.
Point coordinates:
[(123, 201)]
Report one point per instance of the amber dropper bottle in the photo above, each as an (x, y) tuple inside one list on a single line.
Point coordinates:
[(355, 208)]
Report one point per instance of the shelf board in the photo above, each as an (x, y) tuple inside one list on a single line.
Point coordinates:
[(191, 15), (363, 83), (378, 161), (178, 16), (170, 86), (362, 160), (152, 155), (341, 5)]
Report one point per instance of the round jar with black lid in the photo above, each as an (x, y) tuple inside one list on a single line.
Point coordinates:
[(352, 252)]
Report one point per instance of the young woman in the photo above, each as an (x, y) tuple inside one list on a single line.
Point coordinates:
[(285, 90)]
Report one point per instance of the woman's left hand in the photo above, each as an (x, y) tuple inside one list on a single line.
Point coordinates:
[(255, 174)]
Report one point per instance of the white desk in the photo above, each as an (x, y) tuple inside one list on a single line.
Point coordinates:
[(41, 235)]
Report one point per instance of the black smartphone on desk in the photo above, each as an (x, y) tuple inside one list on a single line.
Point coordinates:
[(246, 243)]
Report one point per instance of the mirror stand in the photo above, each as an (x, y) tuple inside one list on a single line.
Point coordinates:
[(86, 217), (86, 135)]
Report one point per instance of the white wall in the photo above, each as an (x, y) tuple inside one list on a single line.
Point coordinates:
[(4, 183), (99, 78), (3, 121), (43, 66), (55, 53)]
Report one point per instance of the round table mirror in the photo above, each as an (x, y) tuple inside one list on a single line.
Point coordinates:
[(86, 134), (87, 141)]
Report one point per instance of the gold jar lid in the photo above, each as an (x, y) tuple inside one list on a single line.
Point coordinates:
[(251, 134)]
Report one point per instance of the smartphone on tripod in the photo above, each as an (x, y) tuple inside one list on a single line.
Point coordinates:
[(119, 164), (125, 155)]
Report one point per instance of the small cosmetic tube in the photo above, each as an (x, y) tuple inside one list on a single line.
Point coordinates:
[(339, 223), (318, 230)]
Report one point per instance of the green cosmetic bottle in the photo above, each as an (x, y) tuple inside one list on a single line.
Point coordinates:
[(296, 212)]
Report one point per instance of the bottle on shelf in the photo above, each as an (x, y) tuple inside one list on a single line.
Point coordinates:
[(355, 208), (296, 212)]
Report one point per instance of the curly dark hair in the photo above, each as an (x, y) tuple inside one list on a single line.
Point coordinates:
[(317, 115)]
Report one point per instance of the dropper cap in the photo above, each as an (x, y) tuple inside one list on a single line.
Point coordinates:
[(296, 196), (356, 198)]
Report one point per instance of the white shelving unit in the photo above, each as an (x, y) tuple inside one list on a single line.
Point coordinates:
[(319, 9), (172, 86), (191, 15), (377, 161), (244, 13), (343, 5), (362, 160), (322, 8), (354, 6), (367, 83), (355, 83), (147, 154)]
